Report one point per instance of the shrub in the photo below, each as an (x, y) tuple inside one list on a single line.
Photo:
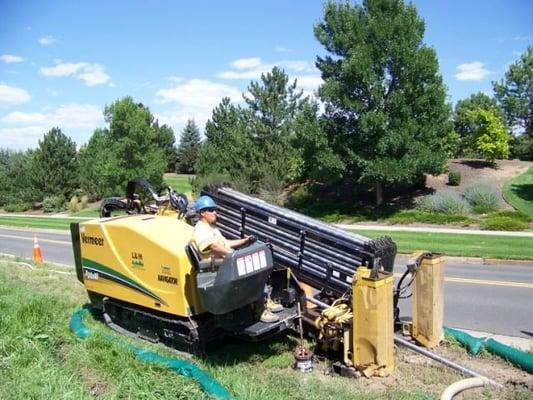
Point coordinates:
[(17, 207), (271, 190), (53, 203), (445, 202), (410, 216), (73, 204), (454, 178), (502, 223), (482, 197), (84, 202), (516, 215)]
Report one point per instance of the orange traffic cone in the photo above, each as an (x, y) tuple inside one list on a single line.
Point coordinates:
[(37, 256)]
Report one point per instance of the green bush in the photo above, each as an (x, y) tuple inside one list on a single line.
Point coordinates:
[(425, 217), (454, 178), (482, 197), (502, 223), (53, 204), (445, 202), (516, 215), (17, 207)]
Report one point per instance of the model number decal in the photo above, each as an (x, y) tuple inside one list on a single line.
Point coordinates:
[(167, 279)]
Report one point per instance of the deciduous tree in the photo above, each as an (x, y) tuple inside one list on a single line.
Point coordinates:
[(462, 120), (489, 136), (387, 120)]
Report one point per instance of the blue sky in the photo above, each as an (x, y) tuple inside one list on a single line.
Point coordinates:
[(61, 62)]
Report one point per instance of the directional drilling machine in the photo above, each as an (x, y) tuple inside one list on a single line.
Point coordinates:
[(147, 279)]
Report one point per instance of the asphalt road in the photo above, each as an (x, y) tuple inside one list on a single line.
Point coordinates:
[(488, 298)]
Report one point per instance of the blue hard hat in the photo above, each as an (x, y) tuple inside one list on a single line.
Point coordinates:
[(205, 202)]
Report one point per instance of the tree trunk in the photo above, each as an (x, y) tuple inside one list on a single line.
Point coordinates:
[(379, 194)]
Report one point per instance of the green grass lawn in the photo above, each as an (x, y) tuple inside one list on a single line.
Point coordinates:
[(519, 192), (452, 244), (38, 222), (92, 212), (41, 359), (179, 183)]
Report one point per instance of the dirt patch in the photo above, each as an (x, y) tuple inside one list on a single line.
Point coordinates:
[(476, 171)]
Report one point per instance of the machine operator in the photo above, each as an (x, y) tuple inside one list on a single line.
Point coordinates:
[(211, 243)]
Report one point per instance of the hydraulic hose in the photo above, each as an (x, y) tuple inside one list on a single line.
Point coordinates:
[(459, 386)]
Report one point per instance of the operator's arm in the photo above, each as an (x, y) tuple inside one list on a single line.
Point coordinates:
[(219, 250), (238, 242)]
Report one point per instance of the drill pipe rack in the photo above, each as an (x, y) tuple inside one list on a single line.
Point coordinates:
[(319, 254)]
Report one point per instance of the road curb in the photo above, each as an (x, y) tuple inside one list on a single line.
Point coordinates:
[(403, 258)]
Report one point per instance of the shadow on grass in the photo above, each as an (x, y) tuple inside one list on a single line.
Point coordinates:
[(233, 351), (355, 204), (524, 191)]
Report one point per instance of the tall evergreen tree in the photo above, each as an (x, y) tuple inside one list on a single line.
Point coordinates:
[(227, 148), (256, 144), (188, 148), (54, 165), (386, 118), (515, 93)]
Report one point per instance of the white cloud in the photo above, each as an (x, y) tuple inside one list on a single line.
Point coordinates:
[(9, 58), (91, 74), (10, 95), (22, 130), (67, 116), (193, 99), (281, 49), (47, 40), (474, 71), (252, 68), (246, 63), (304, 72)]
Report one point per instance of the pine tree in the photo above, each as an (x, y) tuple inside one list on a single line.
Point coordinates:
[(187, 153), (54, 165)]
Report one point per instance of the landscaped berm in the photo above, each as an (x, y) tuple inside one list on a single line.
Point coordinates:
[(472, 171)]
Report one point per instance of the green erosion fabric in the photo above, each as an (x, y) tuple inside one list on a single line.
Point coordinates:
[(206, 382), (474, 345), (517, 357)]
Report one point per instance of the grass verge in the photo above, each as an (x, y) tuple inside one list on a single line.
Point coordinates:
[(519, 192), (452, 244), (180, 183), (40, 358), (38, 222)]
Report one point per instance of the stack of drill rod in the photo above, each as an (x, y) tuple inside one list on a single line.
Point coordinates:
[(319, 254)]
